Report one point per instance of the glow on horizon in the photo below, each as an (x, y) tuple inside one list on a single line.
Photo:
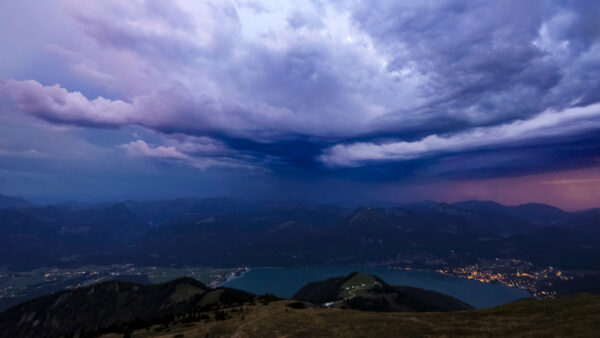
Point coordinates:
[(570, 190)]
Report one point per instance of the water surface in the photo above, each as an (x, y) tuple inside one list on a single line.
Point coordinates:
[(284, 282)]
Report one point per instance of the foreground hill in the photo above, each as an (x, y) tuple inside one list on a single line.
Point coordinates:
[(111, 304), (573, 316), (361, 291), (187, 308), (124, 306)]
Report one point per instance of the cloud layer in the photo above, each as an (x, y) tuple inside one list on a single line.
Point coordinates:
[(198, 152), (348, 84), (538, 128)]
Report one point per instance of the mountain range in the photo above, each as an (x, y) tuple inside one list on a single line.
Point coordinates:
[(229, 232)]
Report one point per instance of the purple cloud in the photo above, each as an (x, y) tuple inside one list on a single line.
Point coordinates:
[(536, 129), (141, 148), (197, 152), (54, 103), (361, 81)]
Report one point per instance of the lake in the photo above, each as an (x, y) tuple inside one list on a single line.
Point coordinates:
[(284, 282)]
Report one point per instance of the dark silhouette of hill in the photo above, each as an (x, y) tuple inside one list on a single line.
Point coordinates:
[(187, 308), (535, 213), (112, 304), (365, 292), (587, 222), (14, 202)]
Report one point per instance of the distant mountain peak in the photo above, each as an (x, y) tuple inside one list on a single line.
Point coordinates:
[(14, 202)]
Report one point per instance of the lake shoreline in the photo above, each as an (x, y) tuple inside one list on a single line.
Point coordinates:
[(285, 282), (238, 273)]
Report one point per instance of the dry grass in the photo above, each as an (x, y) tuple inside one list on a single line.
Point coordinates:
[(567, 317)]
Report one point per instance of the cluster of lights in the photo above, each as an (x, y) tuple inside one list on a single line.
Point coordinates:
[(509, 272)]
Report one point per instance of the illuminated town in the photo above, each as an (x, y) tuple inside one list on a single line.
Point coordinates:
[(17, 286), (538, 281)]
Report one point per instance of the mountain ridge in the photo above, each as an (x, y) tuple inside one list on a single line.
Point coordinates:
[(223, 232)]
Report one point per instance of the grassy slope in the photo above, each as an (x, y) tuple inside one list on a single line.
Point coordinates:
[(571, 316), (357, 281)]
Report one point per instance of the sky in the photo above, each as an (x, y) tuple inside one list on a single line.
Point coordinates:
[(345, 102)]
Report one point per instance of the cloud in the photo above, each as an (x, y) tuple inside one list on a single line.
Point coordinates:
[(141, 148), (299, 20), (56, 104), (31, 153), (197, 152), (204, 69), (171, 109), (336, 81), (487, 63), (193, 145), (573, 181), (540, 127)]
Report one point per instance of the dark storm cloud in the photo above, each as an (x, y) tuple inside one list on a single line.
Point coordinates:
[(490, 62), (372, 88), (492, 69)]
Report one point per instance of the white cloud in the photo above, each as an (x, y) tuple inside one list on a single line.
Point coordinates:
[(197, 152), (546, 124), (141, 149), (198, 67), (31, 153)]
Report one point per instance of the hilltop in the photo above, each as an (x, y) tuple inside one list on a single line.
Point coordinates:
[(361, 291), (112, 305)]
